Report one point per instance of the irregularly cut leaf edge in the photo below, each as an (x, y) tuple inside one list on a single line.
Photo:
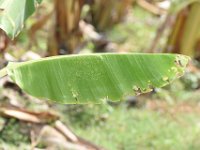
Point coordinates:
[(180, 62)]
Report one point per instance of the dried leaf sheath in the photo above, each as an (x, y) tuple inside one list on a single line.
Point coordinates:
[(94, 77)]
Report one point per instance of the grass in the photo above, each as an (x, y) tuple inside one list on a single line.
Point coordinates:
[(172, 126), (142, 129), (12, 136), (118, 127)]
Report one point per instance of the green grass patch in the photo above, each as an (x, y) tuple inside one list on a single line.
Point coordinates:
[(128, 129)]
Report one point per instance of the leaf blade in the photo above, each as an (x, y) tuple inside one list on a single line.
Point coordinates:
[(13, 14), (92, 78)]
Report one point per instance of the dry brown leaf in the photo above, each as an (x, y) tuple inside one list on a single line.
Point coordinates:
[(53, 139), (19, 115), (151, 7), (25, 115), (65, 131)]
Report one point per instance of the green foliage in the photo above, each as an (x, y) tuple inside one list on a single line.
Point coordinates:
[(191, 80), (13, 13), (141, 129), (86, 116), (95, 77), (13, 133)]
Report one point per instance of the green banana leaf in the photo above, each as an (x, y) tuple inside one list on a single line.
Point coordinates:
[(93, 78), (13, 13)]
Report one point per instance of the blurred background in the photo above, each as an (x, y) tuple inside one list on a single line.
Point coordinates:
[(167, 118)]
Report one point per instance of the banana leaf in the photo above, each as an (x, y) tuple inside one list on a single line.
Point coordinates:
[(13, 13), (92, 78)]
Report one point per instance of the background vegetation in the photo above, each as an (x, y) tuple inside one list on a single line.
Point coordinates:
[(166, 118)]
